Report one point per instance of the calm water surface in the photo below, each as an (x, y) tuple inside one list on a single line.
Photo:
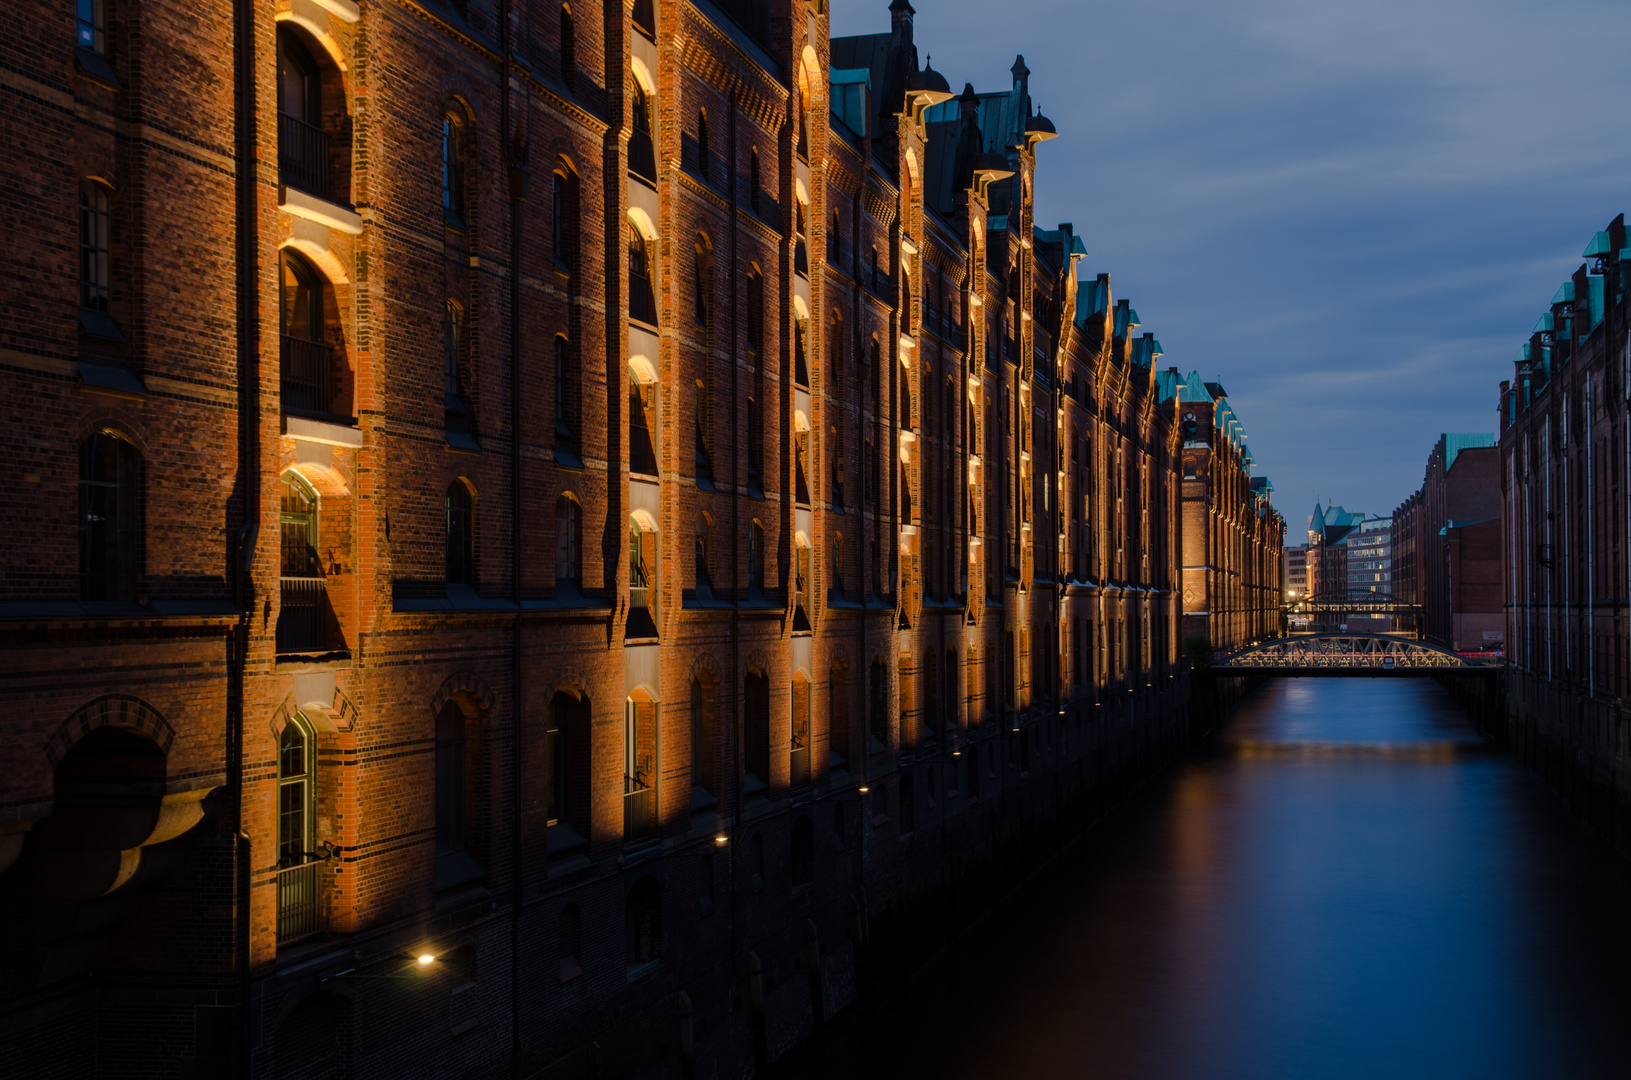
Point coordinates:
[(1350, 883)]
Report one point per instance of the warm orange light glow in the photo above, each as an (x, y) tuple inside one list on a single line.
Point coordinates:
[(427, 958), (863, 789), (721, 839)]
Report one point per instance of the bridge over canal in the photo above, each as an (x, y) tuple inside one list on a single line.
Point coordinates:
[(1350, 655)]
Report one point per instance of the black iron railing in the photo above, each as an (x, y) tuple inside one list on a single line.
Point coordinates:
[(308, 375), (300, 620), (639, 812), (799, 766), (642, 158), (297, 901), (302, 155)]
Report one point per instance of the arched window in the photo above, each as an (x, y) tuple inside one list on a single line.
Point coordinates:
[(639, 767), (304, 607), (874, 270), (569, 51), (908, 803), (704, 558), (642, 421), (803, 851), (837, 546), (753, 178), (642, 299), (451, 782), (878, 704), (704, 282), (563, 430), (297, 836), (461, 535), (571, 943), (303, 145), (838, 732), (756, 560), (95, 247), (568, 540), (89, 17), (834, 247), (875, 364), (756, 311), (307, 360), (799, 764), (642, 156), (705, 747), (643, 923), (109, 518), (453, 349), (705, 153), (642, 577), (557, 221), (453, 168)]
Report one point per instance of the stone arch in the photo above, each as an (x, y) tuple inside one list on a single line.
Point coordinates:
[(125, 428), (570, 680), (455, 87), (463, 684), (115, 710), (319, 34), (759, 660), (705, 665)]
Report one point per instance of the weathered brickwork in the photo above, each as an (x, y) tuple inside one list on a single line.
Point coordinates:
[(1563, 475), (624, 502)]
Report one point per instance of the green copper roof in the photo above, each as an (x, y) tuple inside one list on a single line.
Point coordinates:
[(1456, 442), (1597, 248), (1564, 294), (1543, 325)]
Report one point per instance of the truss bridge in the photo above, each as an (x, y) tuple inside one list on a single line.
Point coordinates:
[(1359, 655)]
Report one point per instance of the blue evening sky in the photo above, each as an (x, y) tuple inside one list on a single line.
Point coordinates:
[(1349, 214)]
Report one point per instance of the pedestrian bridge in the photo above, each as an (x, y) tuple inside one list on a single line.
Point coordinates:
[(1356, 655)]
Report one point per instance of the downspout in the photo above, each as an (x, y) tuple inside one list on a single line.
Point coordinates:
[(241, 550), (736, 540), (514, 145), (1591, 556)]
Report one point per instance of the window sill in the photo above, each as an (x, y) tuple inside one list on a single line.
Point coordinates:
[(567, 459), (461, 442), (315, 208), (114, 380), (95, 67), (308, 429), (99, 325)]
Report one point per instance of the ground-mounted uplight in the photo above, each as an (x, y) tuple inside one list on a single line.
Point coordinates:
[(721, 840), (863, 789), (426, 959)]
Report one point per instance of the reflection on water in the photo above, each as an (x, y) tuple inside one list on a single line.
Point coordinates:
[(1350, 884)]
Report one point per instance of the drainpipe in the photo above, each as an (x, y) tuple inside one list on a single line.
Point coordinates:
[(514, 144), (736, 547), (1591, 555), (242, 549)]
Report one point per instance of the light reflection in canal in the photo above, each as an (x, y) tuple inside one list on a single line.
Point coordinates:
[(1350, 883)]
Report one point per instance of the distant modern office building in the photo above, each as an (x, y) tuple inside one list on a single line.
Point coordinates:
[(1348, 552), (1296, 572)]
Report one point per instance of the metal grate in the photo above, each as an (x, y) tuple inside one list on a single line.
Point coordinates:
[(300, 619), (302, 154), (297, 896), (308, 375)]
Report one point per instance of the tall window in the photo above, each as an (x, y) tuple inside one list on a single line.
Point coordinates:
[(563, 427), (295, 795), (833, 247), (642, 155), (838, 736), (307, 360), (452, 167), (756, 559), (642, 300), (703, 275), (705, 156), (704, 741), (301, 616), (95, 247), (568, 740), (642, 407), (461, 538), (557, 220), (568, 534), (88, 15), (756, 311), (753, 178), (704, 557), (756, 732), (569, 51), (109, 518), (450, 781), (303, 145), (643, 923), (453, 359)]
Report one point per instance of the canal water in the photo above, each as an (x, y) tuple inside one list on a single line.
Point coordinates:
[(1349, 882)]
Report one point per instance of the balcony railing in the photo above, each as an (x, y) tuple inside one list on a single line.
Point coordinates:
[(799, 766), (301, 618), (642, 303), (639, 811), (801, 258), (308, 375), (297, 901), (302, 154), (642, 158)]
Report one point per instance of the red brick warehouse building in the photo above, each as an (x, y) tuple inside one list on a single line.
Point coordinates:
[(625, 502)]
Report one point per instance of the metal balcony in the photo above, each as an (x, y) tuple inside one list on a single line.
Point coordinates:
[(298, 892), (302, 153), (308, 375), (302, 615)]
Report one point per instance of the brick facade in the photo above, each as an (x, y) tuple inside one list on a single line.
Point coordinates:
[(647, 543)]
